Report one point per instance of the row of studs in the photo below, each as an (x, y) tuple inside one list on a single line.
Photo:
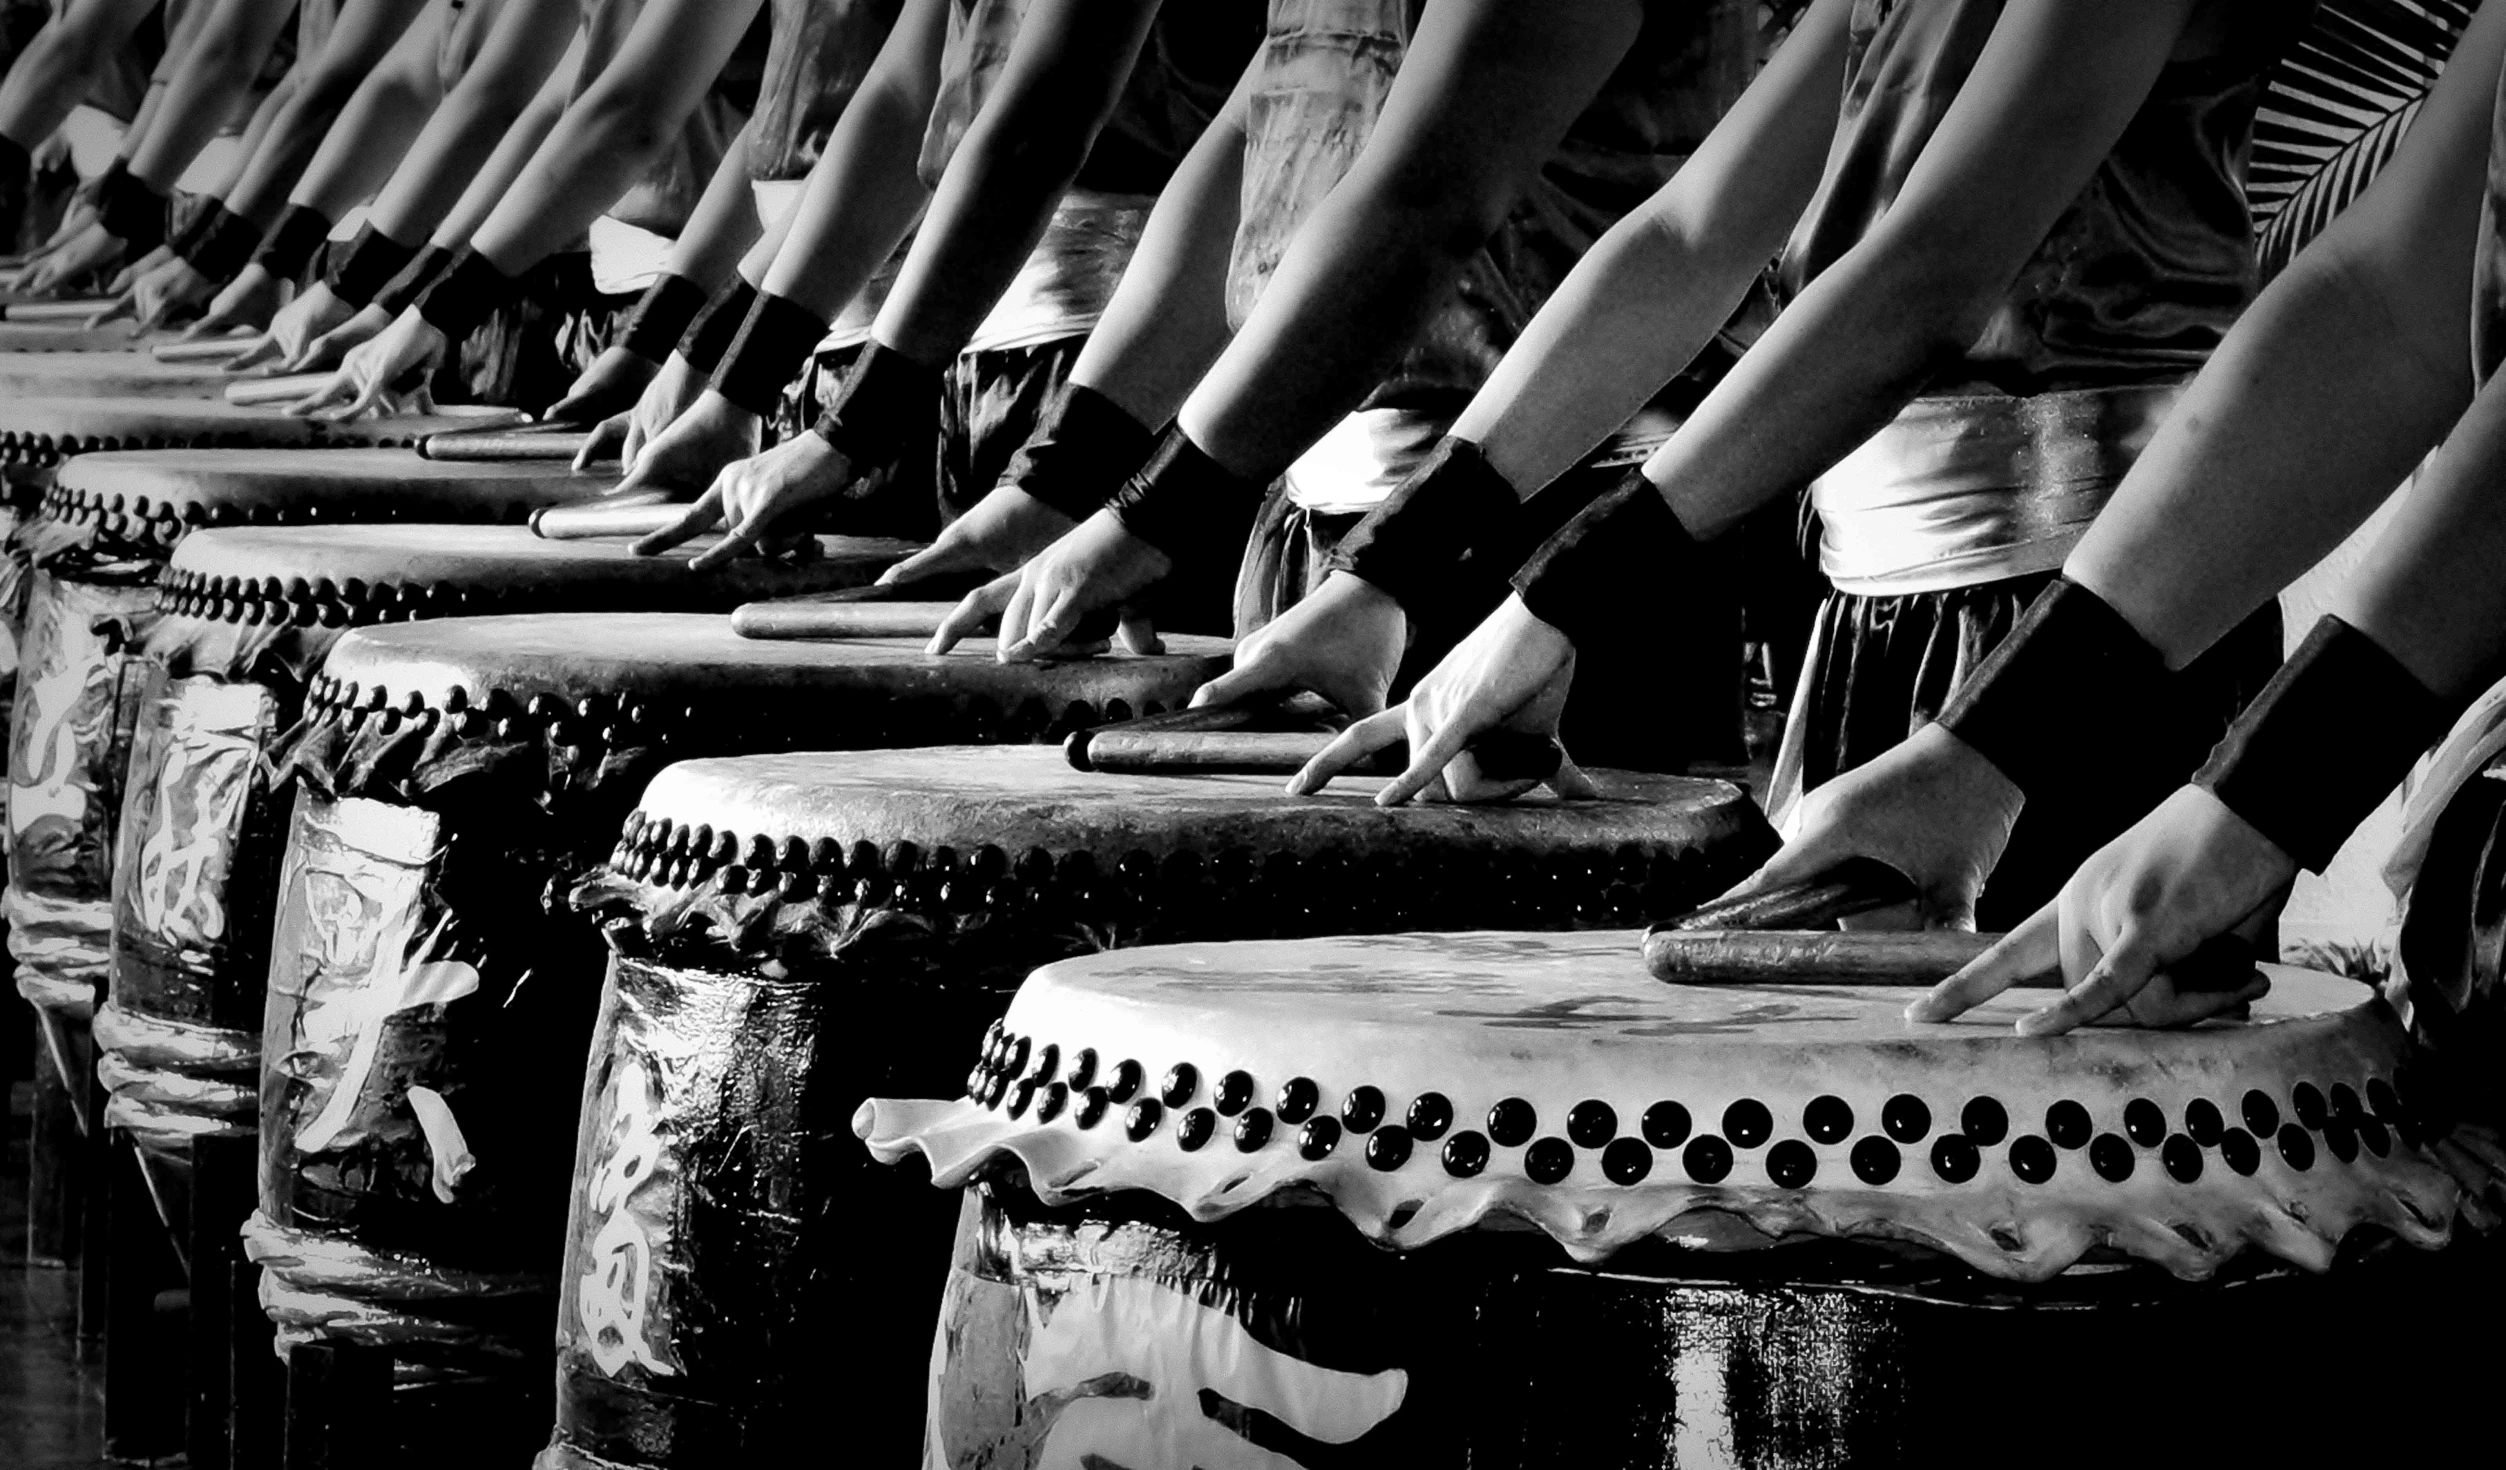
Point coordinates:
[(310, 602), (42, 450), (1012, 1075)]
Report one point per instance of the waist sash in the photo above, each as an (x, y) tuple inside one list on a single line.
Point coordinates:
[(1959, 491)]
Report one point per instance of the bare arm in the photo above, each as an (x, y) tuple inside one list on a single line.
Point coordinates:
[(1063, 78), (724, 224), (226, 54), (2045, 103), (1484, 95), (364, 32), (55, 70), (379, 123), (522, 50), (521, 143)]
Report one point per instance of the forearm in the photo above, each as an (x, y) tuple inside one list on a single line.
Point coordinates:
[(533, 41), (295, 135), (724, 224), (221, 64), (864, 193), (372, 136), (53, 73), (2431, 593), (488, 187), (1061, 84)]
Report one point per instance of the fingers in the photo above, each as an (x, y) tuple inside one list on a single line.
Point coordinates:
[(1803, 858), (124, 305), (1014, 615), (1356, 743), (1139, 634), (1046, 633), (341, 387), (368, 399), (973, 610), (2162, 1004), (1243, 682), (1429, 757), (602, 443), (2032, 949), (2119, 974), (737, 540), (698, 517), (942, 556), (1570, 782)]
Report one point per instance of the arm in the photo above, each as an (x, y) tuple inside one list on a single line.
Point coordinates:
[(54, 71), (223, 59), (1063, 78), (523, 48), (376, 127), (365, 30)]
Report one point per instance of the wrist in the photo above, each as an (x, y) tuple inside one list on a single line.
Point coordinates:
[(415, 279), (773, 343), (1412, 547), (2335, 730), (288, 249), (222, 245), (128, 209), (1584, 578), (2047, 703), (469, 291), (709, 334), (661, 316), (887, 399), (1191, 508), (370, 262), (1080, 454)]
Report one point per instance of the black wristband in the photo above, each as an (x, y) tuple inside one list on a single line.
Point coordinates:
[(773, 345), (2033, 707), (660, 317), (130, 210), (2335, 730), (887, 399), (1190, 507), (1081, 452), (1412, 546), (1609, 556), (711, 334), (415, 279), (289, 246), (469, 290), (371, 261), (223, 244)]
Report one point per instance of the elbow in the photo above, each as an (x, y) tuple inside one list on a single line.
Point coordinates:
[(621, 122)]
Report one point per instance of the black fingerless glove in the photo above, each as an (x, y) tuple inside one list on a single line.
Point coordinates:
[(710, 335), (372, 260), (773, 345), (290, 245), (2335, 730), (1081, 453), (415, 279), (1191, 507), (130, 210), (888, 399), (221, 244), (1415, 546), (660, 317), (471, 289), (2033, 706), (1589, 575)]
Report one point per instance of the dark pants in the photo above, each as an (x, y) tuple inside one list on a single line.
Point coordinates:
[(527, 354)]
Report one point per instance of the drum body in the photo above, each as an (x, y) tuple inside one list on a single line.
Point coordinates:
[(428, 1007), (800, 932)]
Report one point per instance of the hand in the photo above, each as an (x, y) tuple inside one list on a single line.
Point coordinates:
[(1344, 642), (1098, 567), (1003, 530), (293, 329), (689, 456), (2188, 872), (250, 300), (672, 392), (1931, 808), (171, 289), (751, 495), (1511, 673), (385, 376), (609, 386), (77, 259), (128, 276), (331, 348)]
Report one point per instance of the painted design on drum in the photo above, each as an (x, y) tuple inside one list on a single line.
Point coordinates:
[(354, 946), (190, 787), (71, 722), (624, 1210)]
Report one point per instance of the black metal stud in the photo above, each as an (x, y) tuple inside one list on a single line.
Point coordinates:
[(1182, 1080), (2262, 1115), (1906, 1118), (1362, 1109), (2182, 1158), (1195, 1128), (1124, 1085), (1666, 1124), (1049, 1106), (2306, 1101), (1048, 1061), (2342, 1139), (1083, 1069), (1747, 1123), (2344, 1101), (2297, 1147), (1792, 1164), (2144, 1122), (1388, 1148), (1626, 1161), (2373, 1134), (1252, 1130), (1234, 1093), (1512, 1122), (2382, 1102), (1828, 1118), (2203, 1122), (1143, 1119), (1984, 1121), (2112, 1157), (1549, 1160), (1430, 1114), (1319, 1137), (2067, 1124), (1465, 1154), (2240, 1151), (1016, 1063), (1298, 1097), (1875, 1160), (1955, 1158), (1021, 1093), (2032, 1159), (1592, 1123), (1707, 1159)]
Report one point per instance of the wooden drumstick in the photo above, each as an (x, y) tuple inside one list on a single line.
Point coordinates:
[(638, 515), (472, 445), (1882, 957), (262, 392), (1502, 755), (53, 311), (1303, 714), (216, 349), (815, 618)]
